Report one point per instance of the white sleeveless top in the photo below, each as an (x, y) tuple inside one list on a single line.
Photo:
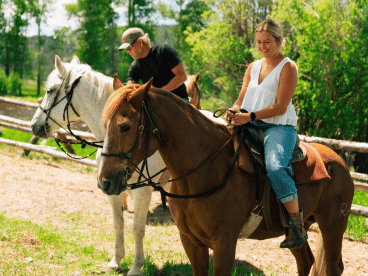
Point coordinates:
[(264, 95)]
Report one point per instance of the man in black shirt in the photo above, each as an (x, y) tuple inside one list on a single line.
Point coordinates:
[(161, 62)]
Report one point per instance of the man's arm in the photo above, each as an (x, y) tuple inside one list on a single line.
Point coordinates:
[(179, 79)]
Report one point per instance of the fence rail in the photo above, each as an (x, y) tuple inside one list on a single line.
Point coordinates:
[(25, 126)]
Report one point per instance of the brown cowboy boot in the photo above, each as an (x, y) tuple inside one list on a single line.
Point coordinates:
[(296, 234)]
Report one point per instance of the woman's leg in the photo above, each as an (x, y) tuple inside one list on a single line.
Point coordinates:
[(279, 145)]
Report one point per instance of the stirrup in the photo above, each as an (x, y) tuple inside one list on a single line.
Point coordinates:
[(298, 240), (297, 243)]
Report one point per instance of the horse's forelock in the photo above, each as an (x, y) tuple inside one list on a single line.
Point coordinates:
[(119, 96)]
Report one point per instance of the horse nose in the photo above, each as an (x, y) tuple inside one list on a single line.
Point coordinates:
[(109, 186), (40, 130), (105, 185)]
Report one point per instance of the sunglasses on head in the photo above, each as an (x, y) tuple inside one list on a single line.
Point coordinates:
[(131, 44)]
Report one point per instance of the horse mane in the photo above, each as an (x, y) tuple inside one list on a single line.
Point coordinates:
[(96, 79), (191, 84), (125, 94), (115, 100)]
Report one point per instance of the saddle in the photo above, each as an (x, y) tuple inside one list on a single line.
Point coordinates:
[(306, 162)]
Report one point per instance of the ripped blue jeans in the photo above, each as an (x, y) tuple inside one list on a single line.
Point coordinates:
[(279, 143)]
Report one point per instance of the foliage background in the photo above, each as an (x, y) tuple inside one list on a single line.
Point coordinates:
[(327, 40)]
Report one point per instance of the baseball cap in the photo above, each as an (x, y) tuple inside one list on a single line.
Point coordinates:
[(129, 36)]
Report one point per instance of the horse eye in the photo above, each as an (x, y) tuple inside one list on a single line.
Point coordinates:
[(124, 128)]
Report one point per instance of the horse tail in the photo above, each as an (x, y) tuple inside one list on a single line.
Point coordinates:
[(320, 264)]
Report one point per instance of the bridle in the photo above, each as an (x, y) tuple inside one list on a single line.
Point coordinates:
[(142, 131), (156, 186), (68, 96)]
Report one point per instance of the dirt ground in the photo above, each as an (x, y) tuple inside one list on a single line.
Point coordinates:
[(37, 190)]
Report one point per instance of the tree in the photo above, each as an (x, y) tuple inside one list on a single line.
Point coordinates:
[(139, 12), (333, 69), (331, 40), (38, 9), (15, 40), (224, 49), (2, 30), (188, 16), (97, 32)]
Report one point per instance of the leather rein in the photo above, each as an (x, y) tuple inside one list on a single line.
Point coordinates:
[(68, 96), (156, 186)]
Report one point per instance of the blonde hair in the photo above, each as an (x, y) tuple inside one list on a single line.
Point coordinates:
[(274, 28)]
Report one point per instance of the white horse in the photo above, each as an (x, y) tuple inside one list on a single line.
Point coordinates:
[(86, 100)]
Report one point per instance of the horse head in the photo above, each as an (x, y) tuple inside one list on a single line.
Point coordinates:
[(56, 109), (127, 123)]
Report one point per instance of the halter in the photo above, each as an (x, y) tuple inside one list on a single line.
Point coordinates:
[(68, 96), (142, 130)]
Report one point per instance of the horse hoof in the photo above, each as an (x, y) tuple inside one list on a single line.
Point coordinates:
[(134, 273), (113, 269)]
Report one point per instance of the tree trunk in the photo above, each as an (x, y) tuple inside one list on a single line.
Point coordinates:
[(39, 57)]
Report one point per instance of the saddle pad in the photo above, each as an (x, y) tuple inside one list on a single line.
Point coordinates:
[(310, 169)]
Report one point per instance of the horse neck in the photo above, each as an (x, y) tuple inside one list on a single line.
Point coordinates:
[(92, 105), (186, 134)]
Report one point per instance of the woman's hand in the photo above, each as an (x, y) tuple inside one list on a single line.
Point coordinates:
[(237, 118), (230, 113)]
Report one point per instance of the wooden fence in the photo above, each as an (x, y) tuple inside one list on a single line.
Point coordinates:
[(21, 125)]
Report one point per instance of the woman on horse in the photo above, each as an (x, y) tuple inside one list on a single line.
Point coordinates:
[(268, 87)]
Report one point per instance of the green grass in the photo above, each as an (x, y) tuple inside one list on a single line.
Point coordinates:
[(54, 250), (25, 137), (79, 244), (356, 225), (29, 91)]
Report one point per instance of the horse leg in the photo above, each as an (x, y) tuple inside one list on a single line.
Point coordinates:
[(116, 203), (304, 259), (224, 256), (332, 218), (198, 256), (330, 247), (142, 199)]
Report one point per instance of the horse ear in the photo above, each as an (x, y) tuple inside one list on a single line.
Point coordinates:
[(60, 67), (197, 77), (117, 82), (75, 60), (142, 92)]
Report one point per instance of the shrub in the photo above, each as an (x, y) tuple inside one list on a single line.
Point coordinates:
[(3, 82), (14, 84)]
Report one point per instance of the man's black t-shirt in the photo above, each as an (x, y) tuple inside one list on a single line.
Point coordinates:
[(157, 64)]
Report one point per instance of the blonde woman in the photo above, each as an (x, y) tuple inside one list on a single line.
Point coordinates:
[(268, 87)]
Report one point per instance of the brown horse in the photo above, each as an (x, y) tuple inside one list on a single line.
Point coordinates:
[(140, 121), (194, 92)]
